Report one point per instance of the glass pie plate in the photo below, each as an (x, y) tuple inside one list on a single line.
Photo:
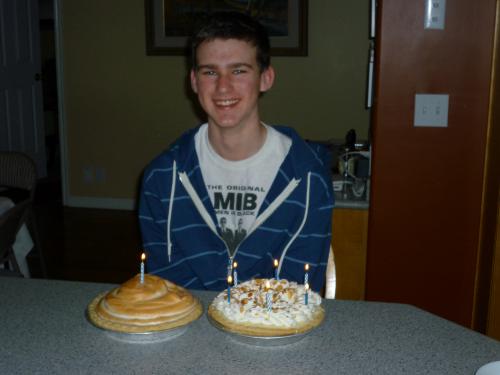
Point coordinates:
[(265, 341), (146, 337)]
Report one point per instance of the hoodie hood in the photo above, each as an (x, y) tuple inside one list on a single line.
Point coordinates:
[(303, 157)]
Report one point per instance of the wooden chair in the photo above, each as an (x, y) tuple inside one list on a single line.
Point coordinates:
[(10, 223), (331, 277), (18, 180)]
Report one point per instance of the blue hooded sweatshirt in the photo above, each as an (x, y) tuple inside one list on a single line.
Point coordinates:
[(182, 237)]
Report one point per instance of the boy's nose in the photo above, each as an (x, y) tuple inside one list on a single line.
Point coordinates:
[(223, 83)]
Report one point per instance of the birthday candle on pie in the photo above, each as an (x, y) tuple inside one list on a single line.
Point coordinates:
[(229, 281), (306, 294), (306, 275), (235, 273), (276, 276), (268, 296), (143, 258)]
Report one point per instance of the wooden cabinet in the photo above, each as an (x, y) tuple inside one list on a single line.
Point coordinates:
[(349, 233)]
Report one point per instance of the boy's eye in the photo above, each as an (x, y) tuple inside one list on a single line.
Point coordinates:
[(208, 73), (238, 71)]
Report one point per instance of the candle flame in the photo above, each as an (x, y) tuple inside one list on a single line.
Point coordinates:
[(276, 263), (307, 267), (268, 285), (143, 257), (306, 287), (229, 279), (235, 264)]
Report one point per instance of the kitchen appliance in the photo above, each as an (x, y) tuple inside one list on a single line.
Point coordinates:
[(353, 165)]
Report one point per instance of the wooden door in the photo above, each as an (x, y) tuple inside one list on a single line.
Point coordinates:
[(491, 221), (426, 202)]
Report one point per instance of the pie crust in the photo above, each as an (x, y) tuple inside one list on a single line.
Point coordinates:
[(247, 313), (265, 330), (153, 306)]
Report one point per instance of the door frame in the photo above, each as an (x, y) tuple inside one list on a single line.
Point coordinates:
[(61, 100)]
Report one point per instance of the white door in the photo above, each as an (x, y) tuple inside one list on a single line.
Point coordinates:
[(21, 109)]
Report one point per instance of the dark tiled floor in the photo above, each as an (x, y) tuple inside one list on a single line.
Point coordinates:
[(84, 244)]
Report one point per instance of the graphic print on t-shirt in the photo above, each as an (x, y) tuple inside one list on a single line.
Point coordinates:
[(237, 189), (236, 207)]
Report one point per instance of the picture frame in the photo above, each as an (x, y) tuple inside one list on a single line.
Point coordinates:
[(169, 23)]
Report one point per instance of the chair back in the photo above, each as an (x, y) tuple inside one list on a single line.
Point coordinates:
[(331, 276), (17, 170), (10, 223), (18, 175)]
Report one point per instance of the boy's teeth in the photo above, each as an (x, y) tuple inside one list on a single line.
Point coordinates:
[(226, 102)]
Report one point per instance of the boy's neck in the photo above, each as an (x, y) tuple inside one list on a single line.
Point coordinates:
[(237, 143)]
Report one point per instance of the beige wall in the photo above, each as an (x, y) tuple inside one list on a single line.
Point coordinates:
[(123, 107)]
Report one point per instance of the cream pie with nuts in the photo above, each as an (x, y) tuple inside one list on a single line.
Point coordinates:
[(250, 312), (153, 305)]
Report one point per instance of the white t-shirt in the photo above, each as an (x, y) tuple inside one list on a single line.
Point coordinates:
[(238, 188)]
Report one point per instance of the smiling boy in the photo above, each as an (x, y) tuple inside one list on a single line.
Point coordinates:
[(264, 181), (228, 81)]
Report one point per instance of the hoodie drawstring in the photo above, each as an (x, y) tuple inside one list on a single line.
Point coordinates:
[(306, 210), (206, 216), (170, 206)]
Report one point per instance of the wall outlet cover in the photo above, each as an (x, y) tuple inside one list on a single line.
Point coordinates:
[(435, 12), (431, 110)]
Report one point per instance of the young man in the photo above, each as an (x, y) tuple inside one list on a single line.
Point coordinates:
[(235, 173)]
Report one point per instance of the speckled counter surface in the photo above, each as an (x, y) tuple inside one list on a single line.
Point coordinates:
[(44, 331), (352, 204)]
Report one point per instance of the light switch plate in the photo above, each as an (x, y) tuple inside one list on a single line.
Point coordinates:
[(431, 110), (435, 11)]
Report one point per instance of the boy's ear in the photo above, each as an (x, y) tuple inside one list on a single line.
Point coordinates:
[(194, 81), (267, 79)]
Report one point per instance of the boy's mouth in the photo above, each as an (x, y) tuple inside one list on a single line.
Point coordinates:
[(226, 102)]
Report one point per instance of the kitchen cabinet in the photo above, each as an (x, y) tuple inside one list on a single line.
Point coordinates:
[(349, 234)]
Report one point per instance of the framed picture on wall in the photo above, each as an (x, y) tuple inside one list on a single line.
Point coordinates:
[(169, 23)]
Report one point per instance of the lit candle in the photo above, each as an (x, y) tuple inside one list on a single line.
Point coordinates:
[(306, 275), (306, 294), (276, 276), (269, 302), (235, 273), (229, 281), (143, 258)]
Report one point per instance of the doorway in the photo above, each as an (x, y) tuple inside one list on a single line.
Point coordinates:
[(48, 57)]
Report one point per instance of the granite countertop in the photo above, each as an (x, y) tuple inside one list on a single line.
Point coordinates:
[(340, 202), (45, 331)]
